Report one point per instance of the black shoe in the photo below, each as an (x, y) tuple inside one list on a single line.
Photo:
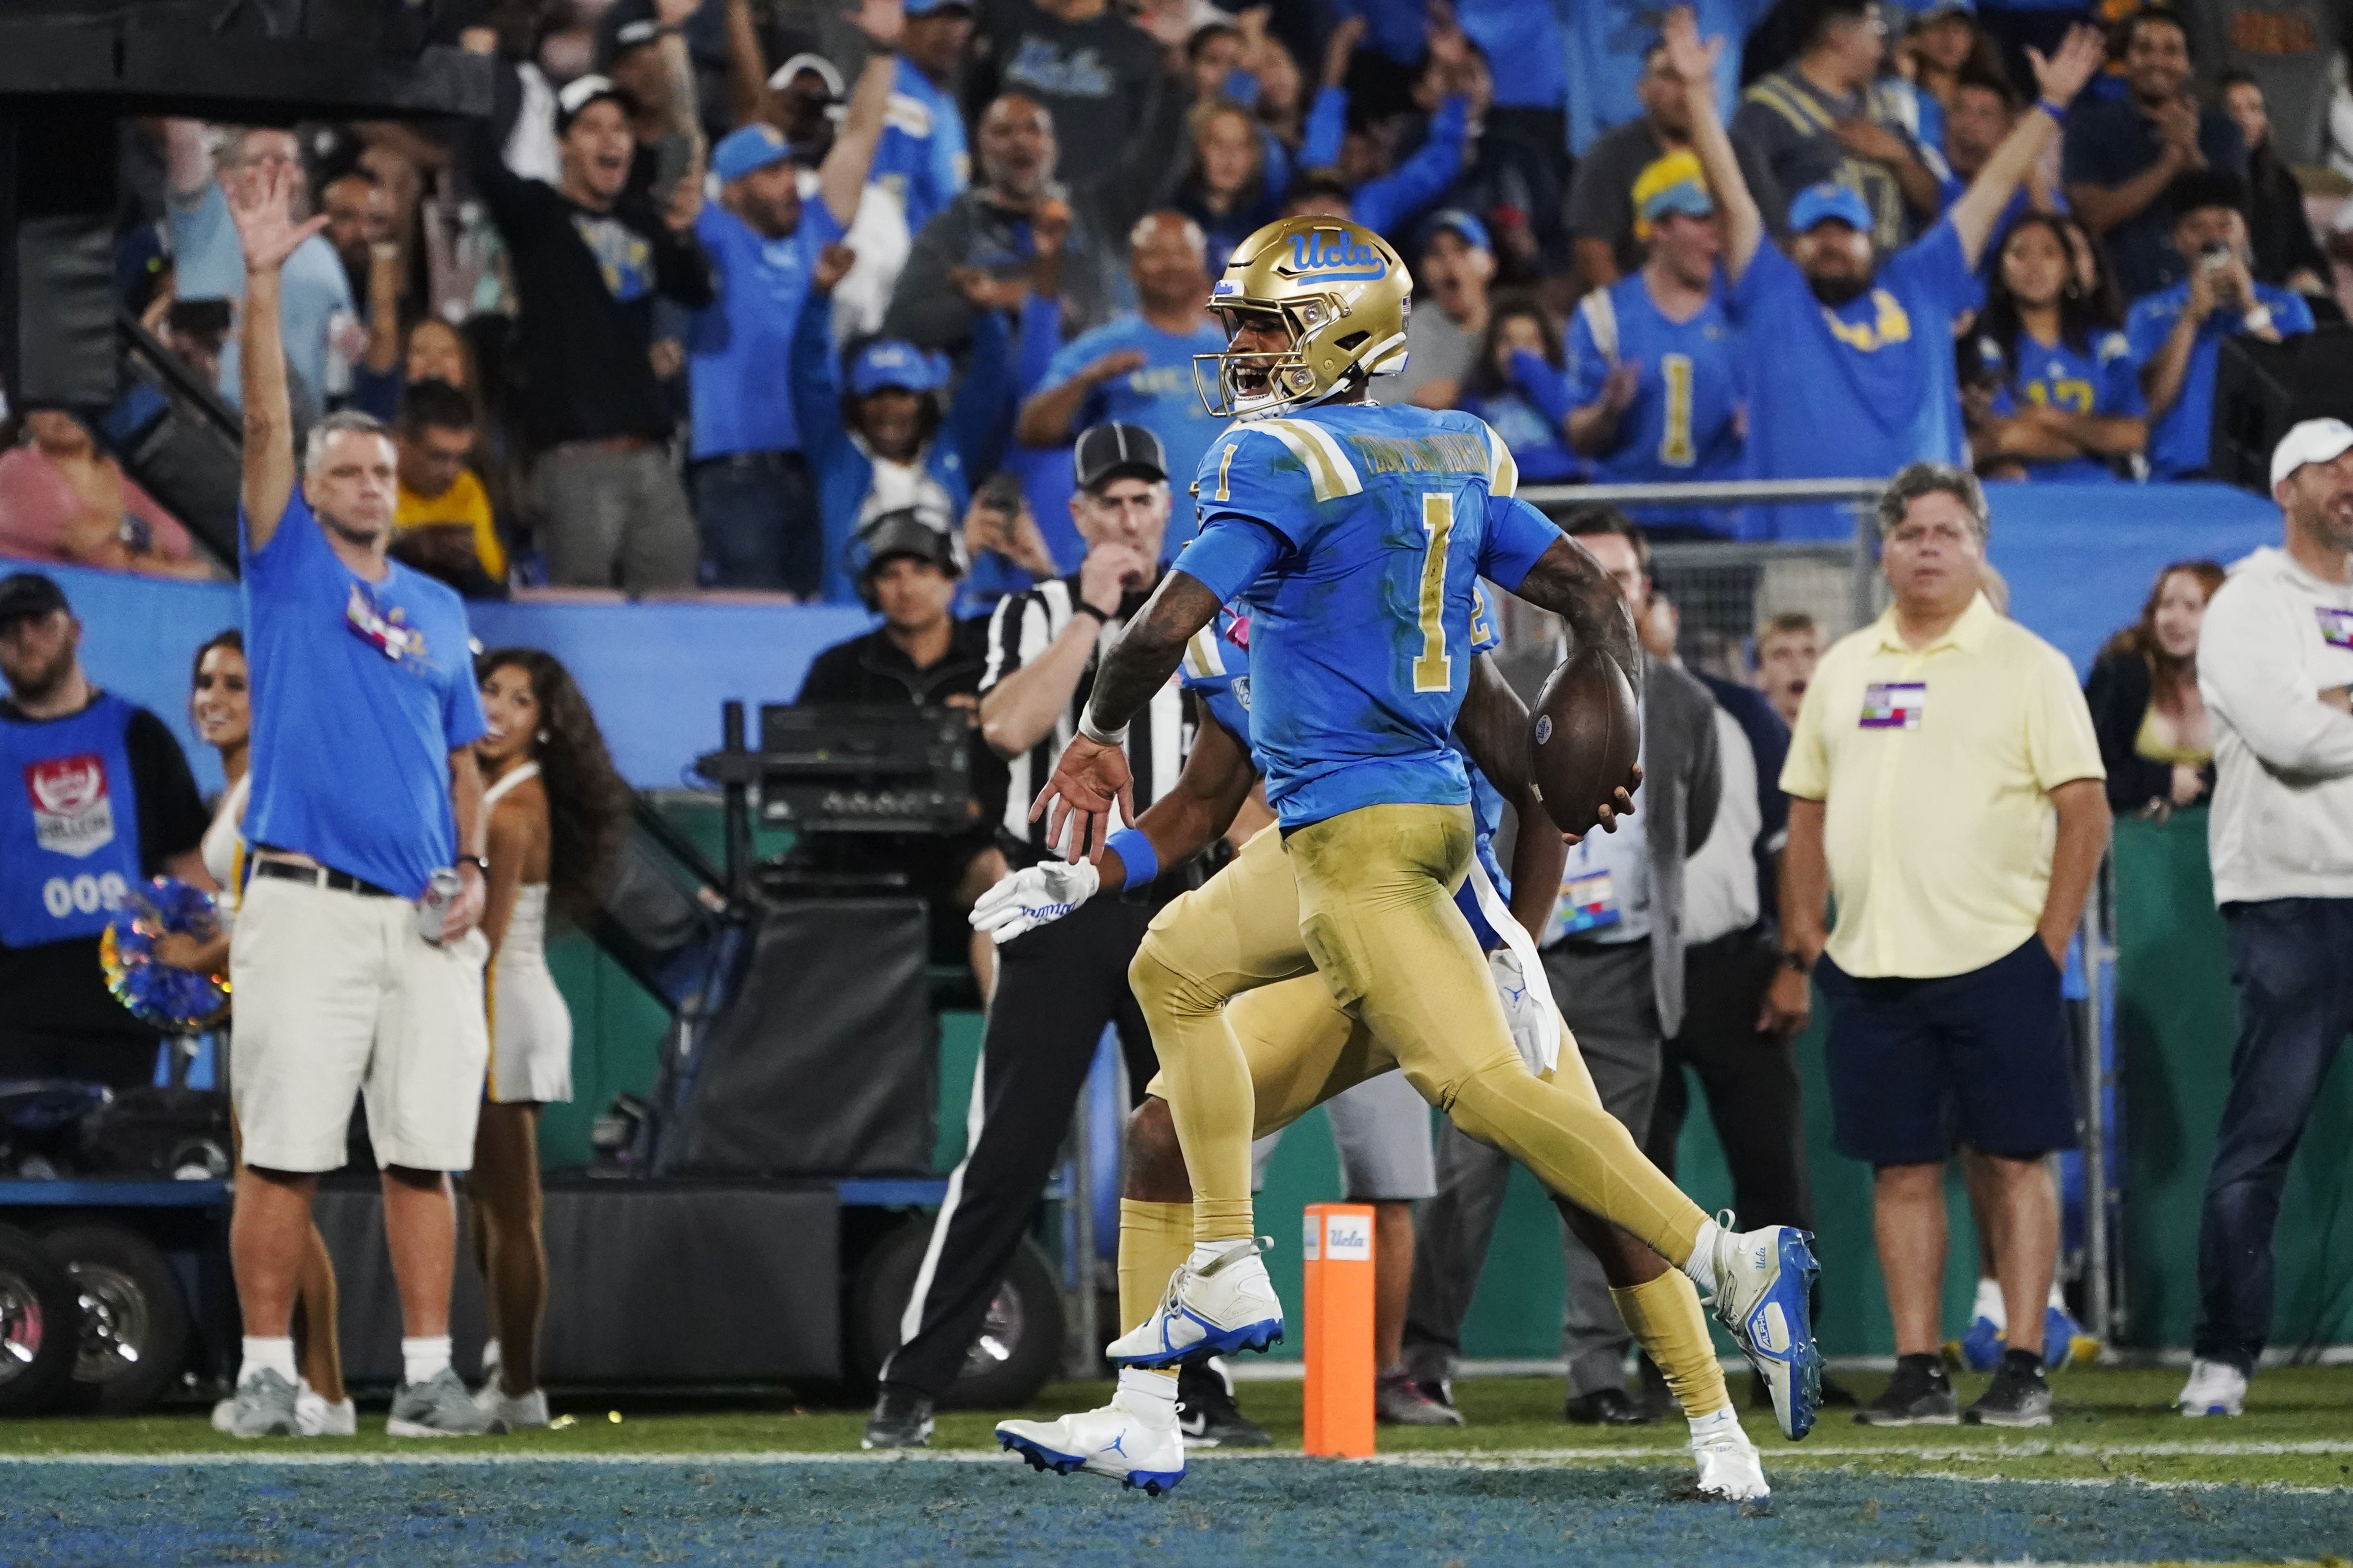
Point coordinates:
[(2019, 1397), (1919, 1394), (902, 1419), (1206, 1415), (1605, 1407)]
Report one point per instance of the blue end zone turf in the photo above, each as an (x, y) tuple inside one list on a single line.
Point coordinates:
[(1299, 1512)]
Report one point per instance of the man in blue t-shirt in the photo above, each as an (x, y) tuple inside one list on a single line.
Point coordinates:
[(355, 961), (753, 499), (922, 159), (2121, 156), (1138, 368), (2177, 334), (1654, 374), (1850, 354), (1608, 42)]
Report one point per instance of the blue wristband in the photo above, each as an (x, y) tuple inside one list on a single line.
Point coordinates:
[(1136, 854), (2057, 112)]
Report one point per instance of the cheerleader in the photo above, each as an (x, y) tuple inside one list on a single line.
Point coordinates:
[(555, 809)]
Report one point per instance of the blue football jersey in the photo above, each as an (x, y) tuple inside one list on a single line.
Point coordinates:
[(1382, 520), (1684, 424), (2098, 380), (1217, 671)]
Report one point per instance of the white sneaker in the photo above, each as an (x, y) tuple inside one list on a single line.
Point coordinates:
[(1763, 1280), (2215, 1388), (1114, 1441), (1728, 1464), (1216, 1305), (516, 1410), (314, 1418)]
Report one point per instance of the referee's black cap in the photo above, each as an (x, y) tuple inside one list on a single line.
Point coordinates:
[(1108, 452)]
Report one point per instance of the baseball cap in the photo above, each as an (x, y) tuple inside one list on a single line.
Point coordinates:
[(1463, 226), (920, 532), (2312, 441), (925, 7), (27, 594), (625, 24), (580, 91), (747, 149), (1826, 202), (1108, 452), (1936, 8), (810, 62), (1673, 184), (891, 362)]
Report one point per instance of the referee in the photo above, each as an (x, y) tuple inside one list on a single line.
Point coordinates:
[(1057, 986)]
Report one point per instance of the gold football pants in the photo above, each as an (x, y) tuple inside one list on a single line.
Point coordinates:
[(1364, 902)]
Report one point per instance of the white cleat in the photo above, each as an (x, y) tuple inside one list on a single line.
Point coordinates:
[(1114, 1441), (1216, 1305), (314, 1418), (1729, 1468), (2215, 1388), (1763, 1282), (516, 1410)]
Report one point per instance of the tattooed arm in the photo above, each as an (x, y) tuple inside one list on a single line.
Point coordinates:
[(1567, 581)]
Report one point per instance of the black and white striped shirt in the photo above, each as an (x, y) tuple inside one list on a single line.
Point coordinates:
[(1157, 741)]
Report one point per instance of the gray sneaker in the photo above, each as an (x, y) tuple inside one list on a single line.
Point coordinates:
[(1399, 1401), (439, 1407), (264, 1407)]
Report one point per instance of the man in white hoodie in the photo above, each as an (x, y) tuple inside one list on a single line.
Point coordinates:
[(2276, 664)]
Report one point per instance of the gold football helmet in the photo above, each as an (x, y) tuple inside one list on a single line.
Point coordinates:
[(1340, 293)]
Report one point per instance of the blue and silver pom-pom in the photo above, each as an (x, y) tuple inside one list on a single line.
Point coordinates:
[(177, 1001)]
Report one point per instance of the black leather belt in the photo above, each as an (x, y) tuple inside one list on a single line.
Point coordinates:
[(322, 877)]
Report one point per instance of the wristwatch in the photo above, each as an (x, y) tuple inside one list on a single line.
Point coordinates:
[(477, 863), (1796, 962), (1081, 608)]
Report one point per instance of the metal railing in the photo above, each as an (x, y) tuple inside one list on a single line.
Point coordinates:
[(1726, 589)]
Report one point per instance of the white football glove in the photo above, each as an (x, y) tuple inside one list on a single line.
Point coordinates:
[(1034, 896), (1527, 1007)]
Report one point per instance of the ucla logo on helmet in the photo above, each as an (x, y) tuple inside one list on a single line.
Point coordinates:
[(1335, 257)]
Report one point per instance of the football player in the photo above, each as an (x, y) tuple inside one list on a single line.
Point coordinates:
[(1352, 535)]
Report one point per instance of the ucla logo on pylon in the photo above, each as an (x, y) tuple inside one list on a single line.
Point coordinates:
[(1327, 251)]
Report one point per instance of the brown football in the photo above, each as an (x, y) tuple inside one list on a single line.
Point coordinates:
[(1584, 737)]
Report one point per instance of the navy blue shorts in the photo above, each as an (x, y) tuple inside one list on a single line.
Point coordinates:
[(1920, 1066)]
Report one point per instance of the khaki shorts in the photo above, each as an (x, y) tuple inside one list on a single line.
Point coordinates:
[(338, 996)]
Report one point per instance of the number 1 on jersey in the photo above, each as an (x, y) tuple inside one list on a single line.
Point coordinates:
[(1434, 671)]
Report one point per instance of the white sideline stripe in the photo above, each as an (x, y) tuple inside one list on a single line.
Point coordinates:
[(1500, 1459)]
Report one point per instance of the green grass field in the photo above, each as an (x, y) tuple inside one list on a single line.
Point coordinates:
[(2298, 1431), (2117, 1479)]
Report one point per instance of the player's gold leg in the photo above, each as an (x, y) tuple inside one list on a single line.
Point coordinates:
[(1153, 1239), (1665, 1316), (1377, 913), (1236, 934)]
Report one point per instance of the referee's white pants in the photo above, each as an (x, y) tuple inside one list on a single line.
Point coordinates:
[(337, 996)]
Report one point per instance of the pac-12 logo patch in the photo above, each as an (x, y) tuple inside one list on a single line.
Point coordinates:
[(1335, 257), (73, 813)]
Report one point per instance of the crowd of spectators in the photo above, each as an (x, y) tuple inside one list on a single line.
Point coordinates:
[(720, 282)]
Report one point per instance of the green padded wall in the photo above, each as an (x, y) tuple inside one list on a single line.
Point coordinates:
[(2175, 1025), (2174, 1031)]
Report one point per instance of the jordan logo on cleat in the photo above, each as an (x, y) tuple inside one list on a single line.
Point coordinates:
[(1118, 1445)]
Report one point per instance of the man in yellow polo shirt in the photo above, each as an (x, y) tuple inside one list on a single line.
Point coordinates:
[(443, 516), (1946, 789)]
